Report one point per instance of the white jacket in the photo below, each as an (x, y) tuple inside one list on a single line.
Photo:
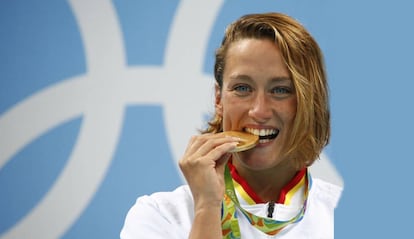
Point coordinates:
[(170, 215)]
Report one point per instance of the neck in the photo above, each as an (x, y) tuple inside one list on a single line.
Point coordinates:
[(268, 183)]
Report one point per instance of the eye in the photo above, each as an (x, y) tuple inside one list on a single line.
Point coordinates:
[(242, 89), (281, 91)]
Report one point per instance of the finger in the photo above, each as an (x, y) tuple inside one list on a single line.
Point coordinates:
[(214, 142), (190, 162), (220, 152)]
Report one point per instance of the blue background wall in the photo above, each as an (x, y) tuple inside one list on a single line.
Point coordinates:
[(92, 114)]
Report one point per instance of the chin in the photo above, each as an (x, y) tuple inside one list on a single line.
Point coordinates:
[(257, 160)]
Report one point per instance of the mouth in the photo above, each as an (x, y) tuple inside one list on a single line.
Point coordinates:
[(265, 135)]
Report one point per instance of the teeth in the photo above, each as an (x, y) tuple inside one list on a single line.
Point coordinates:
[(262, 141), (261, 132)]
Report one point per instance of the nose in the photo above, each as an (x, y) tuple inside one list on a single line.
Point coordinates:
[(260, 109)]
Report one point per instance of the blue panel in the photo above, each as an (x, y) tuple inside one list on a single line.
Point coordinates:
[(371, 83), (26, 178), (39, 45), (145, 25)]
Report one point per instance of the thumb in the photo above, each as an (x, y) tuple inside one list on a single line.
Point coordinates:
[(221, 163)]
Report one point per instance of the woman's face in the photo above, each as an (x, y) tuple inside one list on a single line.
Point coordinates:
[(258, 96)]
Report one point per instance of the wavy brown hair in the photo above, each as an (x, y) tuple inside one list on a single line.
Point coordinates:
[(304, 60)]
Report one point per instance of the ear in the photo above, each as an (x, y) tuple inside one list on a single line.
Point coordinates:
[(218, 105)]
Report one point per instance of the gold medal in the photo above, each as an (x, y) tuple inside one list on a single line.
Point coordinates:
[(247, 141)]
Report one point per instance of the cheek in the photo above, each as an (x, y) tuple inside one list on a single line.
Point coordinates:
[(293, 109), (233, 104), (289, 111), (232, 111)]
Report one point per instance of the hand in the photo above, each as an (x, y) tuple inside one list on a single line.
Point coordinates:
[(203, 167)]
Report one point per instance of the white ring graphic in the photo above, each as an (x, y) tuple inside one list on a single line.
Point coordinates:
[(100, 96)]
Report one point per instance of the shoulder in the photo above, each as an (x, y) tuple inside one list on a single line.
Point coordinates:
[(178, 198), (171, 205), (325, 192), (160, 215), (167, 197)]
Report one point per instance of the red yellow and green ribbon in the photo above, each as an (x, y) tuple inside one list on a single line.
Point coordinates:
[(230, 224)]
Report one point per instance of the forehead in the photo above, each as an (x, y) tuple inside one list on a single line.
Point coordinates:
[(255, 56)]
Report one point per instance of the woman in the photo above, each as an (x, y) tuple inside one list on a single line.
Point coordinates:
[(270, 82)]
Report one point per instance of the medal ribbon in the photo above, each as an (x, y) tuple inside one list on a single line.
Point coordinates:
[(229, 221)]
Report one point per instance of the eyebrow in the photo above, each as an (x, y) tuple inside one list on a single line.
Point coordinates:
[(240, 77), (282, 79), (277, 79)]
